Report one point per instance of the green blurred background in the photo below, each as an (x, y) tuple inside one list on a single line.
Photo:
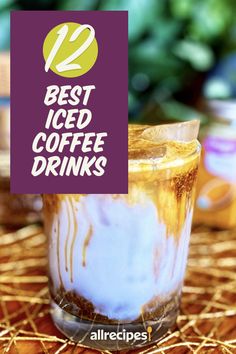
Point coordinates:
[(180, 51)]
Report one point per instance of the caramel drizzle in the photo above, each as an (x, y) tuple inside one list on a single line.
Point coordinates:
[(172, 209), (85, 245), (58, 249), (73, 240), (68, 234)]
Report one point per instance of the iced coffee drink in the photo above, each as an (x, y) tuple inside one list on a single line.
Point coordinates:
[(117, 262)]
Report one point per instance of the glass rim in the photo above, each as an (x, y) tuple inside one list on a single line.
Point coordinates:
[(154, 164)]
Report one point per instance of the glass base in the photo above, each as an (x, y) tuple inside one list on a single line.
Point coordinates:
[(113, 336)]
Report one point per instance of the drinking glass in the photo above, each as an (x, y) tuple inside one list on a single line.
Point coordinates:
[(117, 262)]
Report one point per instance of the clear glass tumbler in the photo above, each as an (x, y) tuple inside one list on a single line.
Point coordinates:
[(117, 262)]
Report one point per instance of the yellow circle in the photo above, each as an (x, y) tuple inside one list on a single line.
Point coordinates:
[(67, 41), (149, 329)]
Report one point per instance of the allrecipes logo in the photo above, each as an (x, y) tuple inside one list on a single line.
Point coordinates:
[(123, 335)]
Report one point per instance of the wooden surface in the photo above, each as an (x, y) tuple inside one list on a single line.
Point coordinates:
[(207, 322)]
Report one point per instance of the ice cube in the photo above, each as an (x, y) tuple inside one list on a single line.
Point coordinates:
[(185, 132), (147, 152)]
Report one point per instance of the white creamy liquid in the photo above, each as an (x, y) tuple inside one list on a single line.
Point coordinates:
[(127, 243)]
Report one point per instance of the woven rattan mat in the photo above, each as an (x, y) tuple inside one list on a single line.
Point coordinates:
[(207, 322)]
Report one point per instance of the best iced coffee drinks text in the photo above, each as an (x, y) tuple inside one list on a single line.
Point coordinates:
[(57, 142)]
